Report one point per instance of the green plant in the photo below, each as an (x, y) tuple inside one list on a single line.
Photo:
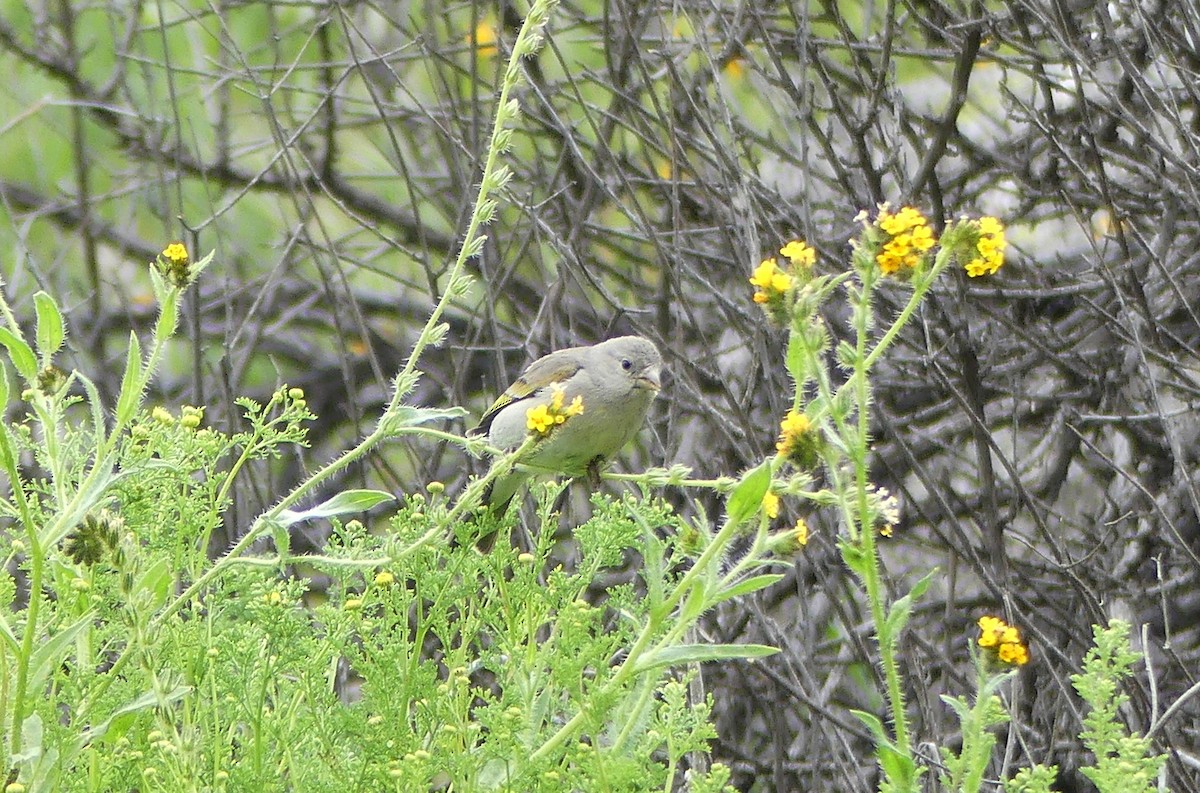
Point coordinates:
[(1124, 763), (829, 423)]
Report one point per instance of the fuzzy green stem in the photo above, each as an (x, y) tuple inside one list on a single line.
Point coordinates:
[(527, 43)]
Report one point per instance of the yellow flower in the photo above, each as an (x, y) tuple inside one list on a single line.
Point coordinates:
[(176, 254), (1003, 640), (162, 415), (798, 441), (485, 38), (772, 282), (910, 239), (384, 578), (539, 419), (1013, 654), (801, 532), (543, 418), (799, 253), (989, 248), (173, 263), (770, 505), (990, 629)]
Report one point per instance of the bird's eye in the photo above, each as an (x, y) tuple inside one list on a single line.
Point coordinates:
[(626, 364)]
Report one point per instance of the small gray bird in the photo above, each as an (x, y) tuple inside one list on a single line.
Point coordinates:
[(617, 380)]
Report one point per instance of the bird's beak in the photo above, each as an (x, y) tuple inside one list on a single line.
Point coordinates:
[(651, 379)]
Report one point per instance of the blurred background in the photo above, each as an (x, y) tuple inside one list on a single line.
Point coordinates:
[(1038, 426)]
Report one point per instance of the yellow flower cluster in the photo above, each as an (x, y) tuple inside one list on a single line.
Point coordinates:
[(798, 442), (997, 636), (771, 281), (543, 418), (770, 505), (174, 263), (989, 248), (799, 254), (911, 239), (791, 540)]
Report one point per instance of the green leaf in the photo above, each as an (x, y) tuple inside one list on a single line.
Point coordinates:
[(405, 416), (342, 503), (960, 706), (700, 653), (872, 723), (283, 541), (168, 315), (50, 654), (155, 583), (131, 383), (123, 717), (90, 493), (854, 557), (747, 494), (199, 267), (901, 771), (50, 333), (797, 357), (96, 404), (10, 638), (899, 613), (747, 586), (20, 354), (31, 739)]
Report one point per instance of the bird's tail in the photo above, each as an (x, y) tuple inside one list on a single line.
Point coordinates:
[(497, 498)]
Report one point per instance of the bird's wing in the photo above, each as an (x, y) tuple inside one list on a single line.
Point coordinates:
[(557, 367)]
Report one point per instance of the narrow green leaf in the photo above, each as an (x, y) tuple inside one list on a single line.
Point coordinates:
[(95, 484), (752, 584), (342, 503), (900, 611), (797, 357), (131, 383), (200, 266), (155, 585), (747, 494), (407, 416), (168, 315), (6, 633), (20, 354), (901, 771), (123, 717), (96, 404), (283, 541), (51, 653), (50, 332), (700, 653), (959, 705), (872, 723)]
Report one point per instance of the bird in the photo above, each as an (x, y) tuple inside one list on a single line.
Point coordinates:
[(616, 381)]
